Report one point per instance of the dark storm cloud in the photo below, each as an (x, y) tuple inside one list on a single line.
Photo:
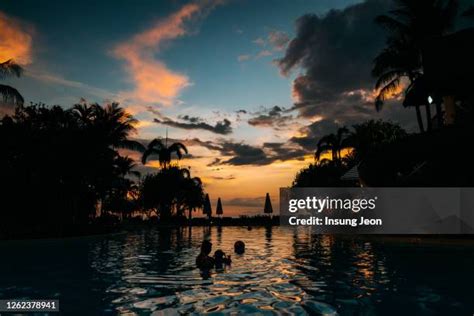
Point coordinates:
[(191, 119), (273, 117), (313, 133), (285, 152), (241, 153), (223, 127), (336, 52), (206, 144), (244, 154)]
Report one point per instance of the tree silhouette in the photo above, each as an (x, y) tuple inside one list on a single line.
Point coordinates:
[(371, 135), (172, 191), (363, 139), (60, 164), (156, 147), (10, 95), (410, 25), (193, 195), (320, 175), (333, 143)]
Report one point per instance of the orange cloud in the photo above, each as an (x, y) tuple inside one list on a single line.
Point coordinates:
[(154, 81), (15, 40)]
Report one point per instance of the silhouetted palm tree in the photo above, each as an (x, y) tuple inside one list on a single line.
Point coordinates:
[(193, 195), (333, 143), (8, 69), (171, 191), (125, 165), (319, 175), (190, 193), (156, 147), (410, 25), (370, 135), (66, 191), (111, 121)]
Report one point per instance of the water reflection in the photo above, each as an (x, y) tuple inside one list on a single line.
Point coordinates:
[(283, 271)]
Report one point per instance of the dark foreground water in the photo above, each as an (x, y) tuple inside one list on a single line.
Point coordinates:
[(284, 271)]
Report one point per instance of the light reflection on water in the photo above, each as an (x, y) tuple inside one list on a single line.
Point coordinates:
[(283, 271)]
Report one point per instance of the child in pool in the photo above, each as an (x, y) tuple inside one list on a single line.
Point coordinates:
[(239, 247), (203, 260), (220, 259)]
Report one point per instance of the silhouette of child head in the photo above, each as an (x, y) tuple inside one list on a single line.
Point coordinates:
[(219, 255), (206, 247), (239, 247), (220, 259)]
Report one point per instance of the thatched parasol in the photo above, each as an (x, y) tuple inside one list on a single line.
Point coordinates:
[(268, 209), (207, 209), (219, 210)]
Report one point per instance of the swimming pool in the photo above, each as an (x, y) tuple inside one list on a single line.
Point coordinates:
[(284, 271)]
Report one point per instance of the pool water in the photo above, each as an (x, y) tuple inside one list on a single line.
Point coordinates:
[(283, 271)]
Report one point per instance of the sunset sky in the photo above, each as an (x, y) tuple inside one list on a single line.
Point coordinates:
[(249, 86)]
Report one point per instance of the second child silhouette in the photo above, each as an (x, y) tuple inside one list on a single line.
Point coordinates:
[(203, 260)]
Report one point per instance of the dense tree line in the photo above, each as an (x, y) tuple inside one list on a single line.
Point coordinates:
[(63, 167), (58, 164), (359, 141)]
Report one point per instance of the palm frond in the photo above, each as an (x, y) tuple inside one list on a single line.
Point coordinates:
[(132, 145), (388, 77), (147, 153), (178, 148), (328, 139), (386, 90), (348, 141), (322, 149), (156, 143), (11, 95), (10, 68), (388, 59)]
